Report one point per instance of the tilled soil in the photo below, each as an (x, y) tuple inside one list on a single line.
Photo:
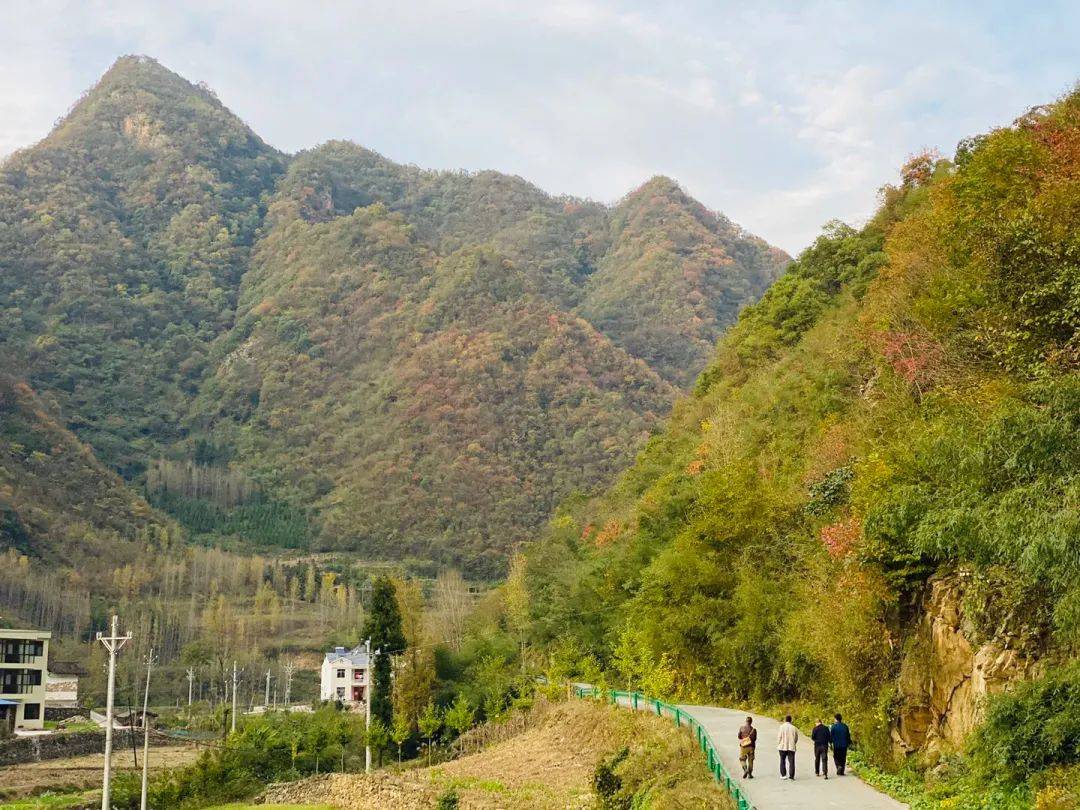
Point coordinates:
[(80, 773)]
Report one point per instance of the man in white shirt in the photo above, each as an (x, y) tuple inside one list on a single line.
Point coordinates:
[(786, 740)]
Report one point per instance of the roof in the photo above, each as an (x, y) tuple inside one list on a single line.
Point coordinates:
[(30, 634), (356, 657), (67, 668)]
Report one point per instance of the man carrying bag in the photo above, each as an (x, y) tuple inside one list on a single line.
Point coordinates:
[(747, 746)]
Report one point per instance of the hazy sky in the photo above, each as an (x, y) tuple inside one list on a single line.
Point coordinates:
[(781, 115)]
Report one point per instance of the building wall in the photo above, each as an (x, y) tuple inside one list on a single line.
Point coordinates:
[(62, 690), (36, 696)]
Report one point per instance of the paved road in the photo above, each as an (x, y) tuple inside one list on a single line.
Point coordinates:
[(767, 790)]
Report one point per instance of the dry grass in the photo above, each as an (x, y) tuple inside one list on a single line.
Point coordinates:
[(81, 773), (549, 765)]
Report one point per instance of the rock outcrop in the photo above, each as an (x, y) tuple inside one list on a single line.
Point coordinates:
[(949, 670)]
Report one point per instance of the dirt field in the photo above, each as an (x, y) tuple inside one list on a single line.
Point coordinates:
[(550, 765), (79, 773)]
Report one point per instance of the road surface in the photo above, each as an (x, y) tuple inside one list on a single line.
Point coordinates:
[(767, 790)]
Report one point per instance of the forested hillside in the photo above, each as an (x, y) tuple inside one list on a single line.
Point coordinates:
[(870, 503), (124, 235), (57, 502), (337, 351)]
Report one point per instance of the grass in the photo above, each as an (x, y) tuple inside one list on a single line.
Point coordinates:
[(52, 801)]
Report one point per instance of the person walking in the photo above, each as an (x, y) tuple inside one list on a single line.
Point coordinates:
[(747, 745), (841, 741), (821, 737), (786, 740)]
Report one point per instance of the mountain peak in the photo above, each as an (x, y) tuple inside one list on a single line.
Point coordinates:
[(659, 185)]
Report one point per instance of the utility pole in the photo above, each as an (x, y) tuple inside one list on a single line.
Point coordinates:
[(367, 708), (146, 731), (190, 683), (113, 642), (266, 700), (289, 667), (234, 697)]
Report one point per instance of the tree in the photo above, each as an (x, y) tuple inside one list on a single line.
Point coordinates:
[(459, 717), (383, 627), (429, 723), (452, 604), (414, 676), (516, 600), (378, 736), (400, 731)]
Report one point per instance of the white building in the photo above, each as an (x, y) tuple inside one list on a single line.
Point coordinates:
[(344, 675), (23, 658)]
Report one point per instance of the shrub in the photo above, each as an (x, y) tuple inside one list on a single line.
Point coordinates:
[(1034, 727)]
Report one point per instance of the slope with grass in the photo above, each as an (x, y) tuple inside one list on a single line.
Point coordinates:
[(552, 764)]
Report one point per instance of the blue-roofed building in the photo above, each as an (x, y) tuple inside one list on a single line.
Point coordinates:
[(344, 675)]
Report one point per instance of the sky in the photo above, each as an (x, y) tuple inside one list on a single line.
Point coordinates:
[(781, 115)]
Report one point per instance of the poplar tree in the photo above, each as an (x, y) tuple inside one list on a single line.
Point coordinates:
[(383, 627)]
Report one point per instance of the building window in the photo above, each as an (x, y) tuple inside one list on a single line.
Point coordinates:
[(31, 711), (358, 674), (341, 673)]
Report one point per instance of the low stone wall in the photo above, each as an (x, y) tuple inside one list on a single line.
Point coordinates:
[(19, 750), (64, 712)]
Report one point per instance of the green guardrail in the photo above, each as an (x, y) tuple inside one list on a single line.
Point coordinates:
[(640, 702)]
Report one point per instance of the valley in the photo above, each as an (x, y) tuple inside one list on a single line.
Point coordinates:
[(374, 462)]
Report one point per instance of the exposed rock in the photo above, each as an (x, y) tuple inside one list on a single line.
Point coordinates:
[(946, 676)]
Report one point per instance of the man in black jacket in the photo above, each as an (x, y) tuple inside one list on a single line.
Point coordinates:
[(821, 737), (841, 741)]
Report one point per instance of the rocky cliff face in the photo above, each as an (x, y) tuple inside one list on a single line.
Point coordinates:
[(952, 665)]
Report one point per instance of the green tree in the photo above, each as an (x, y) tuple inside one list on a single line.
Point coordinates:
[(400, 731), (459, 717), (383, 627), (429, 723), (378, 737)]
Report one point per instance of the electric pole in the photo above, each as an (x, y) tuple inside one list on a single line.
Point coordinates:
[(146, 731), (367, 708), (266, 700), (113, 642), (190, 684), (234, 697), (289, 667)]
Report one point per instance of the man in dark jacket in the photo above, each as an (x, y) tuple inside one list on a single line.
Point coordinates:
[(821, 737), (747, 746), (841, 741)]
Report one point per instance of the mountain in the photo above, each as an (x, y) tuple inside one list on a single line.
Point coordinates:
[(57, 502), (871, 501), (674, 276), (336, 350), (125, 234)]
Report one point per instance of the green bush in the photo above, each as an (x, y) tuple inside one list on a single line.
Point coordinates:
[(607, 785), (1034, 727)]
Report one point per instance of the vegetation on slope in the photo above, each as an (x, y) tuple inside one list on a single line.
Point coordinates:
[(903, 403), (377, 357), (124, 235), (55, 494)]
